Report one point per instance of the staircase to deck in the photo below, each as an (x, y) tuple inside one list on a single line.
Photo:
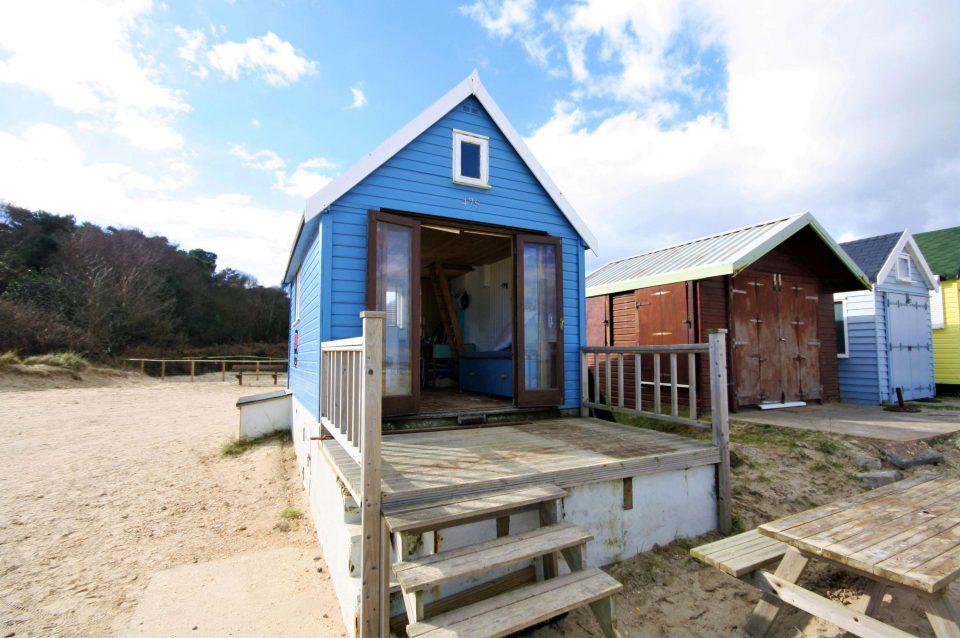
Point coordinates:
[(508, 604)]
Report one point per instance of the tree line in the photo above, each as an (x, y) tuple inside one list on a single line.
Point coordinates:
[(101, 292)]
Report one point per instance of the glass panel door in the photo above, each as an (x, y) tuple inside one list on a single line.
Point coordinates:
[(540, 321), (393, 286)]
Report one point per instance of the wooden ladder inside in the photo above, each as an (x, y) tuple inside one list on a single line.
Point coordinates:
[(504, 605), (448, 312)]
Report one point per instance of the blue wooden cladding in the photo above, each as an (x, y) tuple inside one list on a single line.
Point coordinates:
[(417, 179), (889, 334)]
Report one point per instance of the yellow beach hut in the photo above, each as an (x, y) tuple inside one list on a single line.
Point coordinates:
[(941, 248)]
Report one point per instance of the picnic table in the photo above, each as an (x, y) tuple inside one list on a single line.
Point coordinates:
[(905, 535)]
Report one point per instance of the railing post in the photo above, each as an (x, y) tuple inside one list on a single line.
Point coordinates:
[(373, 601), (223, 370), (193, 370), (584, 384), (142, 362), (721, 425)]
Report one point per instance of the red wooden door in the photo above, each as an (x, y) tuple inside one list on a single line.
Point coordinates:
[(768, 338), (746, 338), (806, 302)]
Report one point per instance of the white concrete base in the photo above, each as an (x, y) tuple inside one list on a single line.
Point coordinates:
[(266, 413), (666, 506)]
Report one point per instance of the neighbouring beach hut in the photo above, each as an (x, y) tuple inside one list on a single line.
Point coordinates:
[(440, 282), (941, 249), (770, 285), (884, 339)]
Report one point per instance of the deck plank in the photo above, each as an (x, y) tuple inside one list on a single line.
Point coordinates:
[(428, 466)]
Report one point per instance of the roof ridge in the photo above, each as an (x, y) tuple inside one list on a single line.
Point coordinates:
[(873, 237), (698, 239)]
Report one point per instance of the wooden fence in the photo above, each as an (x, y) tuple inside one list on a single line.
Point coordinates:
[(223, 364), (350, 411), (640, 389)]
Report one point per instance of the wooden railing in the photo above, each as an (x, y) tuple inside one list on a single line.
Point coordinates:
[(222, 362), (630, 380), (350, 394)]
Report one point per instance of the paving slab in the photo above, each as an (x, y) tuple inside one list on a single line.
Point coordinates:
[(867, 421), (276, 592)]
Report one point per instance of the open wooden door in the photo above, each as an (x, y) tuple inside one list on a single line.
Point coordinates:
[(393, 286), (538, 347)]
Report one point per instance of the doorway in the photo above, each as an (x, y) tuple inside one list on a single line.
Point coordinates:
[(474, 315)]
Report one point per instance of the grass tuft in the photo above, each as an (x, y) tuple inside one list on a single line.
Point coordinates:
[(237, 447), (291, 514), (68, 360), (9, 358)]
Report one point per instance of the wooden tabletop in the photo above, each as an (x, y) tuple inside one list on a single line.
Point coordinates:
[(907, 533)]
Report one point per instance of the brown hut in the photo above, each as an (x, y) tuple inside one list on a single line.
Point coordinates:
[(769, 285)]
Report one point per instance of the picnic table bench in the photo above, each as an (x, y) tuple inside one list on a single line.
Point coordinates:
[(903, 535), (258, 369)]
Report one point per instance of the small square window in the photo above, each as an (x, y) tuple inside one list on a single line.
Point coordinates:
[(903, 268), (471, 159)]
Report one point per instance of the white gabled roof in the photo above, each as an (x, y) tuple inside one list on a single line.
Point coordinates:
[(909, 245), (725, 253), (470, 86)]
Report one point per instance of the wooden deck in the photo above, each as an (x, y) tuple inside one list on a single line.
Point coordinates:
[(428, 466)]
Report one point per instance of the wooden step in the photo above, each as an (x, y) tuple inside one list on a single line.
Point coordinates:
[(431, 516), (520, 608), (423, 573)]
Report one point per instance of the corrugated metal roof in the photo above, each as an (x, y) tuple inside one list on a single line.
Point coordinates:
[(725, 253)]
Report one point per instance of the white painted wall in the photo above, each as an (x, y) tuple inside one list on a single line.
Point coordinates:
[(489, 317), (260, 417)]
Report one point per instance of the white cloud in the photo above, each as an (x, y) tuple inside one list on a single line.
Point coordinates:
[(517, 19), (269, 57), (359, 98), (193, 43), (504, 18), (264, 160), (308, 178), (255, 122), (85, 62), (851, 114), (45, 168)]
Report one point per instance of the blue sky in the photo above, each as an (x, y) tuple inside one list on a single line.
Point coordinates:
[(210, 122)]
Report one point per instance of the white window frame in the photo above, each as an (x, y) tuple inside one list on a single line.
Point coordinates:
[(484, 143), (846, 330), (296, 299), (904, 258), (937, 317)]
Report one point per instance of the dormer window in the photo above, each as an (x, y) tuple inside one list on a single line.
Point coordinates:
[(903, 268), (471, 159)]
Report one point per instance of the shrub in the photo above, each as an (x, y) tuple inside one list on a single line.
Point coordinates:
[(291, 513), (69, 360), (9, 358)]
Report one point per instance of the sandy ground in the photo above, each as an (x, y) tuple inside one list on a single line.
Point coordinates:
[(101, 488), (116, 508)]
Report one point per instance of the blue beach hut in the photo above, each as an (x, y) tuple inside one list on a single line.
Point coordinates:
[(884, 336), (453, 228)]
